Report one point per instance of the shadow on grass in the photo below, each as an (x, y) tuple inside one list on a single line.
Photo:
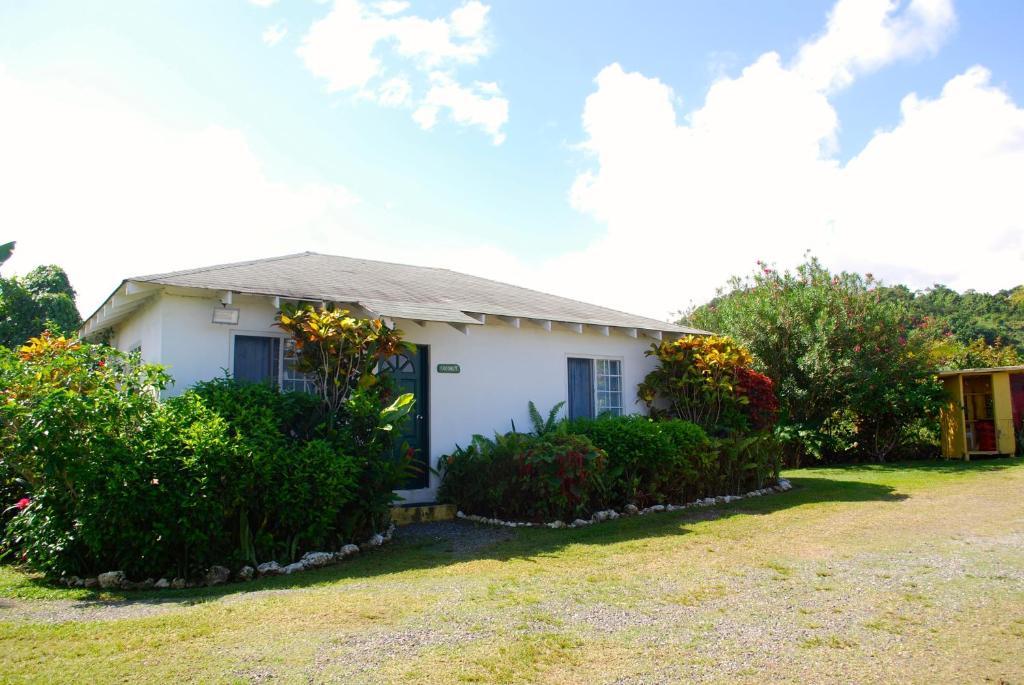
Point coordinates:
[(425, 546)]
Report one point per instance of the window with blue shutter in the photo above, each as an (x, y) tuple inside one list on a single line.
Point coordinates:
[(595, 387), (257, 359)]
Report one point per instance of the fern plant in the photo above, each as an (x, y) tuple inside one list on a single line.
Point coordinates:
[(542, 427)]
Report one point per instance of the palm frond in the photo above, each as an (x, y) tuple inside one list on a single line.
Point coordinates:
[(5, 251)]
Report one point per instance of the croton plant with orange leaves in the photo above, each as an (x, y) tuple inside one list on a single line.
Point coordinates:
[(707, 379), (338, 350)]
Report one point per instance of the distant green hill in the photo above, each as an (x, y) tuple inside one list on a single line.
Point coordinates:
[(969, 315)]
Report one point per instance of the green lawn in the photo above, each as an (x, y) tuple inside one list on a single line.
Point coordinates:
[(909, 573)]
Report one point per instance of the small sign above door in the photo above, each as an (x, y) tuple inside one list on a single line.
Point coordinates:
[(449, 368)]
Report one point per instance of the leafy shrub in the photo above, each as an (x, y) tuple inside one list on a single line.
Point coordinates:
[(225, 473), (696, 378), (483, 477), (641, 456), (708, 380), (536, 476), (558, 475), (339, 351), (762, 406), (578, 466), (663, 461)]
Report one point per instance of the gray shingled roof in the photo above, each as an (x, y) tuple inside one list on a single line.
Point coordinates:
[(398, 290)]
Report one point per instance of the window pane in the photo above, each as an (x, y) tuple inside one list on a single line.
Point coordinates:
[(294, 380), (608, 386)]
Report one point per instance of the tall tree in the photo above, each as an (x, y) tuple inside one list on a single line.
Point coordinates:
[(41, 300)]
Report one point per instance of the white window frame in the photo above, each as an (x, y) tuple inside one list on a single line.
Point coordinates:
[(306, 383), (594, 358), (619, 409)]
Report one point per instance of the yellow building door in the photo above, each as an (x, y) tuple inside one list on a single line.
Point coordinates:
[(979, 414)]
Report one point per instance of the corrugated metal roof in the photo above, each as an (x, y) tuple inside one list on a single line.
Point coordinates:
[(398, 290), (990, 369)]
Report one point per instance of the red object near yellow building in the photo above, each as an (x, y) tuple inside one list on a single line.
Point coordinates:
[(984, 413)]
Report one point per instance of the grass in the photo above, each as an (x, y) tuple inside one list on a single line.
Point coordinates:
[(911, 572)]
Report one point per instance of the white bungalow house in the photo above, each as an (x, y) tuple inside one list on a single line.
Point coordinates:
[(484, 348)]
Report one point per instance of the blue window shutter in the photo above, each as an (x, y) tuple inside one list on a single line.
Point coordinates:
[(581, 388), (256, 358)]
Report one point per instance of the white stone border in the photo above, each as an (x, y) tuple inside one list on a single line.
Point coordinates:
[(217, 575), (629, 510)]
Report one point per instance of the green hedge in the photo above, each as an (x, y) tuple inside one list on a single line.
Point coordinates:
[(649, 462), (636, 461), (224, 474)]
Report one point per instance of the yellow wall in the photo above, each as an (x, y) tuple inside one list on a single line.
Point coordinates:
[(1005, 442), (952, 418)]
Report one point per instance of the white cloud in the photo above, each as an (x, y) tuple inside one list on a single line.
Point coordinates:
[(478, 105), (273, 34), (391, 6), (108, 191), (753, 174), (864, 35), (470, 20), (351, 46), (339, 48), (263, 3)]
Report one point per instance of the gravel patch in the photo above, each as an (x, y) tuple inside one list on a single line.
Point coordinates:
[(460, 538), (65, 610)]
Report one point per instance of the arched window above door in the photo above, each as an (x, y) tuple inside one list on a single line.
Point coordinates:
[(398, 363)]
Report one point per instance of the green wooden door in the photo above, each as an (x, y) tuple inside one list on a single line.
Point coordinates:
[(409, 370)]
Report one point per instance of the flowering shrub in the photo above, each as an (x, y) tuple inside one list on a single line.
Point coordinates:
[(851, 372)]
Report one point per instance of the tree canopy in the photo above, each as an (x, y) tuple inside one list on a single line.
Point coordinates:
[(854, 361), (42, 300)]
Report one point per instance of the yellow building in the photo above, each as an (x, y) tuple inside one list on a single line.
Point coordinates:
[(984, 412)]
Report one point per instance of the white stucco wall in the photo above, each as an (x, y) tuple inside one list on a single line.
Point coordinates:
[(142, 330), (502, 368)]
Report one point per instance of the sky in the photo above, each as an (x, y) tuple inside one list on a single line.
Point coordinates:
[(631, 154)]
